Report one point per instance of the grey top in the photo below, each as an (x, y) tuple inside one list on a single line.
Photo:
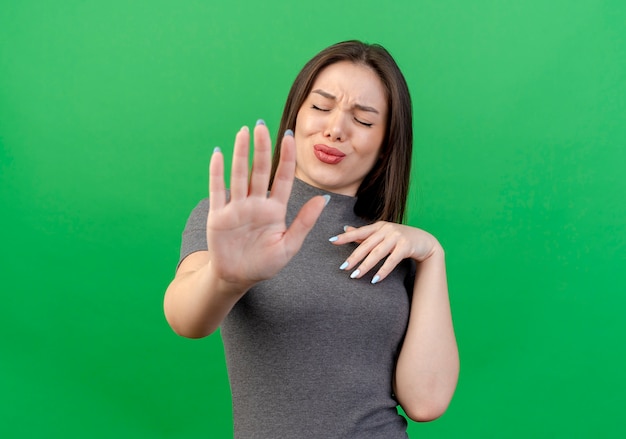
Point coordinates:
[(311, 353)]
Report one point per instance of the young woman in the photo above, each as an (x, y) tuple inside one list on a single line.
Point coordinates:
[(332, 313)]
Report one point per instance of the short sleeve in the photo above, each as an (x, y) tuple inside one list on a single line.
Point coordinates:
[(194, 234)]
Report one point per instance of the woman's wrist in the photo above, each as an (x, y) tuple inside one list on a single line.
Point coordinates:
[(223, 286)]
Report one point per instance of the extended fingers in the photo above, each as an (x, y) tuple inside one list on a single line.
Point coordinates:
[(283, 179), (217, 190), (239, 170), (261, 164), (240, 186)]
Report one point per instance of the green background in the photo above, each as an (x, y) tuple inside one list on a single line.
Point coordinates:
[(109, 111)]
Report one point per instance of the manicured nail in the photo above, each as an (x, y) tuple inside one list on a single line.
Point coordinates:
[(344, 265), (355, 273), (376, 279), (333, 239), (260, 122), (289, 133), (345, 228), (327, 198), (216, 149)]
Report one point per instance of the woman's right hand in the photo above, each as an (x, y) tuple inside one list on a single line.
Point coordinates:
[(247, 237)]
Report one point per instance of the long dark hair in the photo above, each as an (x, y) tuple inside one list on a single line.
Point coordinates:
[(384, 190)]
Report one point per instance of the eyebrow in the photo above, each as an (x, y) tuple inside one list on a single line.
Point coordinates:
[(357, 106)]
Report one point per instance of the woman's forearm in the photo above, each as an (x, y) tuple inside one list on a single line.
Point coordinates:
[(428, 365), (197, 301)]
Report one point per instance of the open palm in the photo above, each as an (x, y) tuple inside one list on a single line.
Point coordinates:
[(247, 236)]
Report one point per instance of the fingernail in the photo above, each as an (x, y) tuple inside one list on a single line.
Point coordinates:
[(216, 149), (245, 128), (327, 198), (333, 239), (344, 265), (260, 122), (345, 228), (355, 273), (376, 279), (289, 133)]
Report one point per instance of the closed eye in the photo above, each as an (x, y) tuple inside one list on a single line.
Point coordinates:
[(363, 123), (315, 107)]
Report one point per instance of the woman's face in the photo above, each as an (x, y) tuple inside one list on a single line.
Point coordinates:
[(340, 128)]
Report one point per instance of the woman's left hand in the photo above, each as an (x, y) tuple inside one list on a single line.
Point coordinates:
[(385, 240)]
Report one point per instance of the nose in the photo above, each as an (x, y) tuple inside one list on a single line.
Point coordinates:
[(335, 127)]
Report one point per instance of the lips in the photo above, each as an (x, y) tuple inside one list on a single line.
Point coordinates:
[(327, 154)]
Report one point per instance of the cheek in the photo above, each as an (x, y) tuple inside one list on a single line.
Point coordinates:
[(372, 145), (303, 124), (372, 155)]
